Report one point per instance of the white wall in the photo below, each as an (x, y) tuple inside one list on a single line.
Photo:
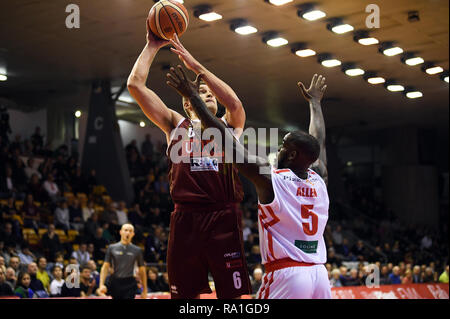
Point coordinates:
[(130, 131), (25, 123)]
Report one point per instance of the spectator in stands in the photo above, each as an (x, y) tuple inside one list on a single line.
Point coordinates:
[(353, 279), (19, 175), (57, 282), (91, 226), (407, 278), (81, 255), (429, 275), (9, 186), (87, 282), (91, 251), (335, 280), (9, 237), (50, 243), (78, 182), (255, 255), (14, 263), (36, 189), (256, 279), (384, 276), (62, 217), (42, 273), (92, 180), (359, 250), (73, 291), (337, 236), (30, 214), (107, 233), (147, 146), (344, 249), (35, 284), (37, 140), (153, 284), (164, 280), (5, 289), (23, 289), (426, 242), (51, 188), (136, 216), (31, 170), (109, 215), (122, 213), (94, 272), (394, 277), (443, 278), (100, 244), (332, 258), (25, 255), (88, 211), (416, 276), (11, 277), (76, 215)]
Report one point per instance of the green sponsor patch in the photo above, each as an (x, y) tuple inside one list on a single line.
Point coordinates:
[(309, 247)]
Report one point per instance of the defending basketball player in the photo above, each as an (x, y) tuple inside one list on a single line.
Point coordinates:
[(293, 206), (205, 227)]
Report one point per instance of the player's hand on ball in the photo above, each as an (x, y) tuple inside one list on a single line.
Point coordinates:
[(316, 89), (153, 40), (189, 61), (180, 82)]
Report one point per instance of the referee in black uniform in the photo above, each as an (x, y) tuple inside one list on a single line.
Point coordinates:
[(123, 256)]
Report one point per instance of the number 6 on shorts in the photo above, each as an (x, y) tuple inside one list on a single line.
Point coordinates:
[(237, 280)]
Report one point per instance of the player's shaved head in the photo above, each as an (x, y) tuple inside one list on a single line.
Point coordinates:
[(298, 151)]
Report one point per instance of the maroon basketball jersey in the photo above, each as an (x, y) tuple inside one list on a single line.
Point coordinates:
[(200, 179)]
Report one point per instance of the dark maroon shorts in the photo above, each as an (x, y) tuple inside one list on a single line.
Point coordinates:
[(202, 242)]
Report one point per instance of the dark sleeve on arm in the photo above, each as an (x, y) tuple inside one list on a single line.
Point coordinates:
[(140, 258), (108, 255)]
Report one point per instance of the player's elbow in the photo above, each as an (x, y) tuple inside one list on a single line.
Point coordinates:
[(134, 83), (235, 106)]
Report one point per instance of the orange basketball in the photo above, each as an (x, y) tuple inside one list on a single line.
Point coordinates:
[(167, 17)]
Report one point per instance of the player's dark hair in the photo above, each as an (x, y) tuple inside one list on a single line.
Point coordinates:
[(307, 144)]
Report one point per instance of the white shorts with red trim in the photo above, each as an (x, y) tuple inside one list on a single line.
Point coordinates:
[(297, 282)]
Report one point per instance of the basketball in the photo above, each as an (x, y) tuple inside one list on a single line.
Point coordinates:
[(168, 17)]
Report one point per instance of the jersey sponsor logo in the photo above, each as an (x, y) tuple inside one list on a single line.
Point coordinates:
[(232, 255), (119, 253), (199, 164), (233, 264), (306, 192), (308, 247), (130, 254)]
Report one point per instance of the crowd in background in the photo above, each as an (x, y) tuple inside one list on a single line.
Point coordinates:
[(45, 191)]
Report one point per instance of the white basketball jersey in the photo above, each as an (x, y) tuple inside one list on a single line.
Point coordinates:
[(292, 226)]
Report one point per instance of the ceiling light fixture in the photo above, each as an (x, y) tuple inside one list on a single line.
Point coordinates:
[(206, 13), (363, 37), (327, 60), (411, 59), (351, 69), (279, 2), (389, 49), (444, 76), (393, 86), (300, 49), (308, 12), (273, 39), (336, 25), (432, 69), (412, 93), (373, 78), (3, 77), (242, 27)]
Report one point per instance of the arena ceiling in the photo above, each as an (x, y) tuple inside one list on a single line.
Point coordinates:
[(42, 57)]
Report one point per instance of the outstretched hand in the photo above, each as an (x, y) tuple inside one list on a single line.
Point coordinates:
[(189, 61), (181, 83), (316, 89)]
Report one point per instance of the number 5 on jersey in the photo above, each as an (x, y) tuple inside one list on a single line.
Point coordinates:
[(309, 228)]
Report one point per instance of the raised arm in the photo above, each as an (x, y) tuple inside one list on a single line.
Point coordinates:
[(235, 113), (153, 107), (252, 165), (317, 123)]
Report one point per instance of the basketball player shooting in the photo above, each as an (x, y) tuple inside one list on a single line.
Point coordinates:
[(205, 227), (293, 205)]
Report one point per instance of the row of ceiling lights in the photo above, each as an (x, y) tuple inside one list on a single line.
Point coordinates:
[(336, 25)]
